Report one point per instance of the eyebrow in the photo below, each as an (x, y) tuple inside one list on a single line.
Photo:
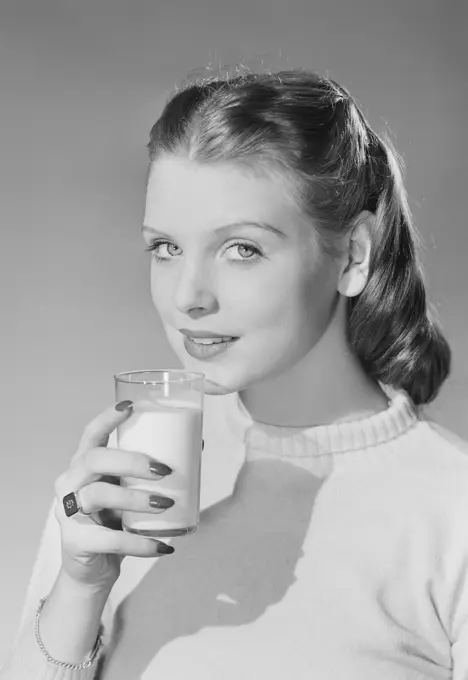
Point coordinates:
[(226, 227)]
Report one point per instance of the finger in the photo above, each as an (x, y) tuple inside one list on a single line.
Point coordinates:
[(97, 431), (112, 519), (99, 495), (95, 463), (94, 539), (64, 520)]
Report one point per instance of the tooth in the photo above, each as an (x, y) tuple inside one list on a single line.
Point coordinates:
[(210, 341), (204, 341)]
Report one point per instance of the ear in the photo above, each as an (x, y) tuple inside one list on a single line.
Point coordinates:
[(355, 269)]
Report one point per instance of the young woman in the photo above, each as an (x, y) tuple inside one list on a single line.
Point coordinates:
[(333, 542)]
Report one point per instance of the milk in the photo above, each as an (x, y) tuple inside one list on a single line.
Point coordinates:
[(169, 431)]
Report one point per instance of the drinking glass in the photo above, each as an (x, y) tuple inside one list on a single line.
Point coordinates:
[(166, 424)]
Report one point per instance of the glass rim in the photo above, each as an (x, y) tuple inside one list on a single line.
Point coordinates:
[(190, 376)]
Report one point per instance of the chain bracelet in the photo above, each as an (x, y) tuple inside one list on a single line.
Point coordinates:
[(69, 666)]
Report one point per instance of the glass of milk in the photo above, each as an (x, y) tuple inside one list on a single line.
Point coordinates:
[(166, 424)]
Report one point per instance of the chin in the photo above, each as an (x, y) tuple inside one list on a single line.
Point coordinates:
[(223, 378), (213, 388), (222, 386), (215, 383)]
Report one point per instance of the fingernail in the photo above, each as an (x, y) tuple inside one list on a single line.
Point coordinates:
[(161, 502), (159, 469), (164, 549), (123, 405)]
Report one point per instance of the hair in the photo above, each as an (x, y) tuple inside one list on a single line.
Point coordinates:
[(310, 130)]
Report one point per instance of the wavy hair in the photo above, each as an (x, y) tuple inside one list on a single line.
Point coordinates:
[(311, 130)]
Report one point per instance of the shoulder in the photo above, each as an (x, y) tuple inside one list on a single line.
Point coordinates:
[(443, 463), (446, 441), (428, 472)]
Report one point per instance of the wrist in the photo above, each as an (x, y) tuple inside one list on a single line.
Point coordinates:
[(84, 591), (71, 620), (81, 665)]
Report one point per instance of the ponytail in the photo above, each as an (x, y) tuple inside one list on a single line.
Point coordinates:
[(390, 328)]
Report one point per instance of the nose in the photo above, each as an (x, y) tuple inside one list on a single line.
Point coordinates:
[(194, 291)]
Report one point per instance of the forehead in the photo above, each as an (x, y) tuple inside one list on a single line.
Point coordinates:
[(180, 189)]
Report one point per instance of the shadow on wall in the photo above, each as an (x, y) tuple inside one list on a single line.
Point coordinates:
[(246, 549)]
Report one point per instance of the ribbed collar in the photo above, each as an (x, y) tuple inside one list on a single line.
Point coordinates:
[(322, 440)]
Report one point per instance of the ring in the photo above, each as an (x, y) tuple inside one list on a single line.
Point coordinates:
[(72, 506)]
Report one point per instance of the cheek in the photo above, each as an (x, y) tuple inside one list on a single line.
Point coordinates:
[(256, 303), (300, 307), (318, 294), (160, 293), (290, 297), (158, 297)]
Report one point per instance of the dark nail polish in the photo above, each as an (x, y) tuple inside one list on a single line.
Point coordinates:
[(124, 405), (159, 469), (161, 502), (164, 549)]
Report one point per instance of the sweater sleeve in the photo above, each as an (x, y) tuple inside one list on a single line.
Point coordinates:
[(457, 574), (26, 660), (460, 655), (460, 624)]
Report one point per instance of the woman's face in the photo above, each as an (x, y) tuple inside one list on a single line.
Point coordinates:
[(224, 273)]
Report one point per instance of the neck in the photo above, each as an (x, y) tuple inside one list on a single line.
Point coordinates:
[(328, 385)]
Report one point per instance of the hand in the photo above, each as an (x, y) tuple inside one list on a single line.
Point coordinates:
[(93, 546)]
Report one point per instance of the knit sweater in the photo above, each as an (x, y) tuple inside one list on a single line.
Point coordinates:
[(333, 552)]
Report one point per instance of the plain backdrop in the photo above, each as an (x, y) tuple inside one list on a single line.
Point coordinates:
[(81, 83)]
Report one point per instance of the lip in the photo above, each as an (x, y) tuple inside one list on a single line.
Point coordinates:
[(203, 352), (205, 334)]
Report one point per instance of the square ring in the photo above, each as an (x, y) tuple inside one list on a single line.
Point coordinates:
[(70, 504)]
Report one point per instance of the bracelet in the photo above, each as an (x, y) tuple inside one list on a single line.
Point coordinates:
[(70, 666)]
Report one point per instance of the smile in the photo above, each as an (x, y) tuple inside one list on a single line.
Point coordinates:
[(205, 348)]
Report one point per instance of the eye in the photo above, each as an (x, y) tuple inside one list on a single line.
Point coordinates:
[(255, 252), (254, 255), (154, 246)]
